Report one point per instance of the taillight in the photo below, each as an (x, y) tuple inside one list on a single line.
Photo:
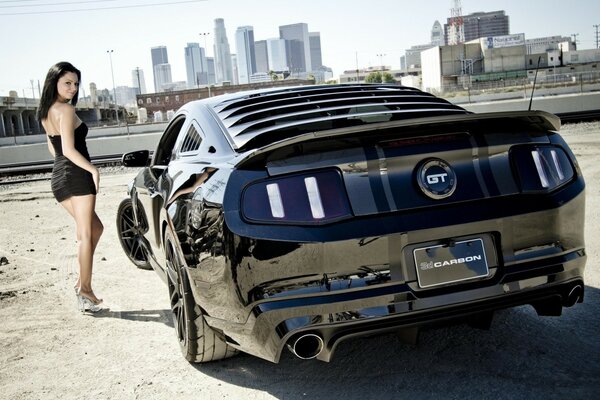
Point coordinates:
[(310, 198), (542, 168)]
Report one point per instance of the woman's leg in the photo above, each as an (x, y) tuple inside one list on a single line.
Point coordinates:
[(89, 230)]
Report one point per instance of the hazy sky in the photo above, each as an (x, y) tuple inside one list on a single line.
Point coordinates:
[(350, 29)]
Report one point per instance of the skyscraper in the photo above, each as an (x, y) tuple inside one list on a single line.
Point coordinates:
[(315, 50), (194, 65), (159, 56), (138, 81), (297, 46), (162, 77), (246, 58), (262, 57), (437, 34), (223, 66), (482, 24), (277, 55)]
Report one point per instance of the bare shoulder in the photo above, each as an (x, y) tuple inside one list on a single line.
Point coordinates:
[(63, 109)]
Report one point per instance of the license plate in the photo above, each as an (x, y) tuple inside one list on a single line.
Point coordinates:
[(457, 262)]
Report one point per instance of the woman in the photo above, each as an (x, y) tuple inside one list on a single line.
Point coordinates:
[(75, 181)]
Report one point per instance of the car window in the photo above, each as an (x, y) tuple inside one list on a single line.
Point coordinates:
[(164, 150), (190, 144)]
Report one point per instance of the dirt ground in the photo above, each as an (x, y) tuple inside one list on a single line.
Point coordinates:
[(48, 350)]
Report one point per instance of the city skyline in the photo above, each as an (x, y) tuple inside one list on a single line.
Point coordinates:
[(352, 36)]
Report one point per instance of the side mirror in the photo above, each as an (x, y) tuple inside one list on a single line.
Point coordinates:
[(136, 158)]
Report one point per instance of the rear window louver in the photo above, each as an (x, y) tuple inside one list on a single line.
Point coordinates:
[(258, 119)]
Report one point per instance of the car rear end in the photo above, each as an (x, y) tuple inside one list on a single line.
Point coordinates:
[(394, 224)]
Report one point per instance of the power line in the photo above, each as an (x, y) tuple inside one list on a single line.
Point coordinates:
[(55, 4), (101, 8)]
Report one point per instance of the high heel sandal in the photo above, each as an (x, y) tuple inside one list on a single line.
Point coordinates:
[(86, 304)]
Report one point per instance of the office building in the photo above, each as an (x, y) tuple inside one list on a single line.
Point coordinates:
[(162, 77), (437, 34), (277, 55), (316, 59), (223, 65), (194, 56), (482, 25), (159, 57), (262, 56), (246, 58), (297, 47)]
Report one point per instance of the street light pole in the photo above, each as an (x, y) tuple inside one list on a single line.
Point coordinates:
[(113, 82), (205, 34)]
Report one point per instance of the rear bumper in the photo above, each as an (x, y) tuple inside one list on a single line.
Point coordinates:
[(261, 294), (547, 284)]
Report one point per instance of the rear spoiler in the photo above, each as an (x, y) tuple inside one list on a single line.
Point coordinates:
[(541, 119)]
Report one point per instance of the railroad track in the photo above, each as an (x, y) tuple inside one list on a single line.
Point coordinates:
[(25, 171)]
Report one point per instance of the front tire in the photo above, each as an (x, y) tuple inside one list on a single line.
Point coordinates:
[(131, 236), (198, 342)]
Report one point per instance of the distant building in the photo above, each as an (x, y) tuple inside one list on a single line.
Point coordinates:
[(412, 56), (481, 24), (262, 56), (193, 64), (223, 64), (212, 74), (162, 77), (316, 58), (544, 44), (126, 95), (437, 34), (246, 57), (234, 71), (297, 46), (276, 52), (138, 81), (159, 57)]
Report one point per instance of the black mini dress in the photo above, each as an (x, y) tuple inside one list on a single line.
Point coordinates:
[(67, 178)]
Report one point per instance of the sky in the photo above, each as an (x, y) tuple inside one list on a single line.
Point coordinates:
[(34, 34)]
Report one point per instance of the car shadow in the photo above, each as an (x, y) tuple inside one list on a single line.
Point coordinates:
[(162, 316), (520, 356)]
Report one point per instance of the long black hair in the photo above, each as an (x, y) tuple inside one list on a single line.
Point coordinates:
[(50, 93)]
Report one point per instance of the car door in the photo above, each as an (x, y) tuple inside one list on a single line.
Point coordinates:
[(155, 186)]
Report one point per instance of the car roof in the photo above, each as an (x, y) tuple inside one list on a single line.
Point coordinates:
[(256, 118)]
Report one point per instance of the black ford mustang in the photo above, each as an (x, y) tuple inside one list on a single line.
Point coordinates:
[(307, 215)]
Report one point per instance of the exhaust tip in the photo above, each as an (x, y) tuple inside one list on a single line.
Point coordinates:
[(307, 346), (574, 295)]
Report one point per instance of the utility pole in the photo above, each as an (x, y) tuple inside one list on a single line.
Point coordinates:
[(205, 34), (597, 37), (574, 38), (137, 71), (113, 82), (32, 92)]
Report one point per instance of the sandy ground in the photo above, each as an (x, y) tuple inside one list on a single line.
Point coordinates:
[(48, 350)]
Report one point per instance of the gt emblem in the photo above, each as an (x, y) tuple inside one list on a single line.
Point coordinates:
[(436, 179)]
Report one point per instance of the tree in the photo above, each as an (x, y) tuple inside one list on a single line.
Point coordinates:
[(388, 78), (373, 77), (273, 75), (378, 77)]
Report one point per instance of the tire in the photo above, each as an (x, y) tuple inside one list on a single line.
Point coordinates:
[(131, 236), (198, 342)]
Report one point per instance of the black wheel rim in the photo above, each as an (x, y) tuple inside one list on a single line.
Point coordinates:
[(130, 236), (176, 291)]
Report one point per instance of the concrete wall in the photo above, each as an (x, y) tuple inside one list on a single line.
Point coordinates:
[(504, 59), (97, 146), (553, 104)]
